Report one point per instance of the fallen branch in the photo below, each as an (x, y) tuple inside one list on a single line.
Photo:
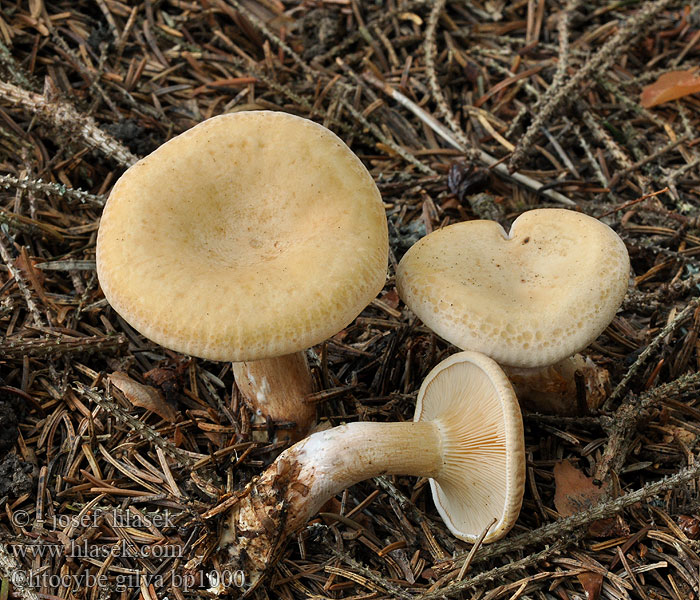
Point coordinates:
[(57, 189), (68, 121), (481, 155), (601, 60), (53, 347)]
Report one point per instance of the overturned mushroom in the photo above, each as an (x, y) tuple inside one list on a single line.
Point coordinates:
[(529, 298), (248, 238), (467, 437)]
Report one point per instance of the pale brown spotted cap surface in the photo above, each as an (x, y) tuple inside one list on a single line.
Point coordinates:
[(526, 299), (252, 235), (482, 480)]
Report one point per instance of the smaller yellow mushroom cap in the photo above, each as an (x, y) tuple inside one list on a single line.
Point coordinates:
[(526, 299), (252, 235)]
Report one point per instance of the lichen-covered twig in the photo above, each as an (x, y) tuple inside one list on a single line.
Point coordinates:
[(675, 175), (566, 93), (11, 569), (496, 574), (145, 431), (648, 351), (429, 51), (368, 574), (46, 187), (647, 159), (15, 70), (68, 121), (562, 61), (17, 348), (21, 284), (624, 161), (622, 424)]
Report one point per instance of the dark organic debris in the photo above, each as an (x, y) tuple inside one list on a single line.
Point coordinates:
[(16, 476)]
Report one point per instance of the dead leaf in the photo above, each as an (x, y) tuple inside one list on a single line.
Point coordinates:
[(575, 492), (391, 298), (671, 86), (690, 526), (591, 582), (143, 396)]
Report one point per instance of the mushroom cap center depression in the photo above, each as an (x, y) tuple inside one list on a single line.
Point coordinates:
[(251, 235), (235, 224), (530, 298)]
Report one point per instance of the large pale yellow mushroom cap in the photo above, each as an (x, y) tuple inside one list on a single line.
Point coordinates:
[(529, 298), (482, 480), (251, 235)]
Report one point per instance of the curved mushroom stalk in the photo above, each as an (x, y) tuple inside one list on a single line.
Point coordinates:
[(276, 389), (467, 437), (311, 472), (575, 386)]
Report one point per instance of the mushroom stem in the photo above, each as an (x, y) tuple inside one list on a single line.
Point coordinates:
[(305, 476), (276, 389), (574, 386), (466, 437)]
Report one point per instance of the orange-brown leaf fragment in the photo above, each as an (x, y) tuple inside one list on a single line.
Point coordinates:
[(671, 86), (591, 582), (574, 491), (143, 396)]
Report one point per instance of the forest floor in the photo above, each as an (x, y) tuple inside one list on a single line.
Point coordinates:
[(549, 91)]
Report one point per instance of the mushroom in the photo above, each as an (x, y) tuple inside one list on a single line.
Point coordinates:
[(530, 298), (248, 238), (466, 436), (573, 386)]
